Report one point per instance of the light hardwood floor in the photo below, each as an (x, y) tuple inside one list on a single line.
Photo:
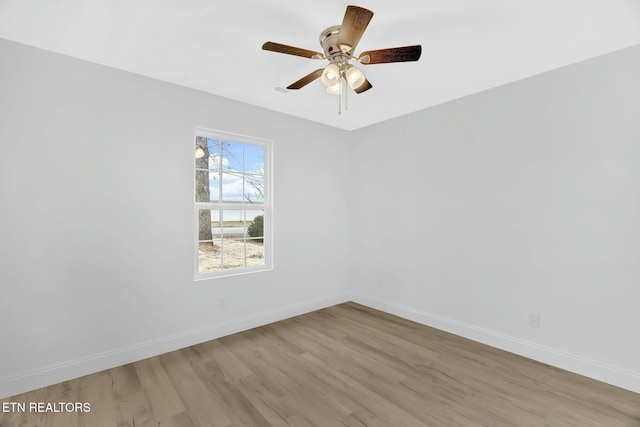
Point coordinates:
[(346, 365)]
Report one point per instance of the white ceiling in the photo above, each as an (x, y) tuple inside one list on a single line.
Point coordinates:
[(215, 46)]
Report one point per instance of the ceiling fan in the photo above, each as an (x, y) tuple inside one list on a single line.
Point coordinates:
[(339, 43)]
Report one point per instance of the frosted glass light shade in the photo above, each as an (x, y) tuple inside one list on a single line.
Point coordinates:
[(355, 78), (199, 153), (330, 75), (336, 89)]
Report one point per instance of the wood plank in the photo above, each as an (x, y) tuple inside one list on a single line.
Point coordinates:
[(203, 407), (158, 388), (96, 390), (133, 410), (124, 380)]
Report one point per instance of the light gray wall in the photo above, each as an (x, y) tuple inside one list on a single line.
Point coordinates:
[(524, 198), (97, 219)]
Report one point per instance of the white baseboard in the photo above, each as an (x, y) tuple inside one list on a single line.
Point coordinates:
[(613, 375), (21, 383)]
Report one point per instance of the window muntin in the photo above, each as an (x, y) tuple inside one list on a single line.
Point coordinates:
[(233, 206)]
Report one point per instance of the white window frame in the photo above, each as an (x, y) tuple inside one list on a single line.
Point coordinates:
[(267, 206)]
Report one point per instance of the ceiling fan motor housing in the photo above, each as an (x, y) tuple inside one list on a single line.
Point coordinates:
[(334, 53)]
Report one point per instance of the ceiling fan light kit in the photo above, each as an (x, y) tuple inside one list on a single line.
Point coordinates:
[(330, 75), (354, 77), (339, 43)]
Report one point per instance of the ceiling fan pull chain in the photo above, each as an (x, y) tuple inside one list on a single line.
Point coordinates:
[(340, 98), (346, 96)]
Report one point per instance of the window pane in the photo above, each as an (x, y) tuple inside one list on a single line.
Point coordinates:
[(214, 160), (216, 224), (255, 224), (234, 254), (204, 225), (255, 253), (234, 225), (254, 188), (202, 186), (209, 224), (207, 158), (232, 156), (202, 153), (232, 187), (207, 186), (214, 186), (210, 256), (254, 159)]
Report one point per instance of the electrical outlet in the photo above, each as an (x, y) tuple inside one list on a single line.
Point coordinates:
[(222, 304), (534, 319)]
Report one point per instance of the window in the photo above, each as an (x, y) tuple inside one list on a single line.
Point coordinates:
[(232, 204)]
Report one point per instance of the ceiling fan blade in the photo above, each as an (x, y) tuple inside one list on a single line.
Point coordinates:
[(354, 23), (363, 87), (291, 50), (394, 54), (306, 79)]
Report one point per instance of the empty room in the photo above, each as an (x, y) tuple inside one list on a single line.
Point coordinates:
[(268, 213)]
